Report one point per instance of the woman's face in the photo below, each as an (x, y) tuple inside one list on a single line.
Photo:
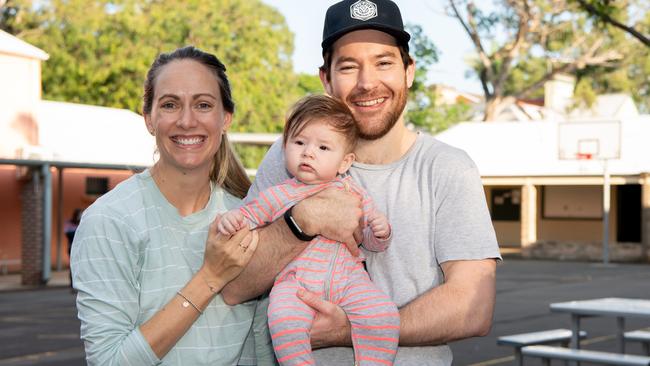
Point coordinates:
[(187, 116)]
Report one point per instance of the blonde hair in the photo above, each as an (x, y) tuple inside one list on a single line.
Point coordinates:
[(228, 171)]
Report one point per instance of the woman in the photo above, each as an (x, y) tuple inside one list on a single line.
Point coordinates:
[(147, 262)]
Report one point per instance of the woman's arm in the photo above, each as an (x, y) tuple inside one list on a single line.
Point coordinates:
[(224, 259), (105, 269)]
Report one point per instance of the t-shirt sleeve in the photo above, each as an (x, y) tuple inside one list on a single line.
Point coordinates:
[(271, 171), (263, 345), (104, 270), (464, 229)]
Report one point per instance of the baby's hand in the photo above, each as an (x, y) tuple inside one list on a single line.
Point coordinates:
[(231, 222), (379, 225)]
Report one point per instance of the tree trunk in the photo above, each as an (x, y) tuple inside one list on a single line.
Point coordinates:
[(491, 109)]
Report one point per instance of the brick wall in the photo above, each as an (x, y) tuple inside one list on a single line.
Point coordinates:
[(32, 229)]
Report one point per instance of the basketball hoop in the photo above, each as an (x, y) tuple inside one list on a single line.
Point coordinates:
[(587, 140), (584, 156)]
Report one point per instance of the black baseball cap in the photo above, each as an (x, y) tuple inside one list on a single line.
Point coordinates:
[(350, 15)]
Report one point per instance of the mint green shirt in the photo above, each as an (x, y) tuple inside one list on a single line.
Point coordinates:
[(132, 252)]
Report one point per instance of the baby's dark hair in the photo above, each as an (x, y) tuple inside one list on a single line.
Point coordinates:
[(322, 108)]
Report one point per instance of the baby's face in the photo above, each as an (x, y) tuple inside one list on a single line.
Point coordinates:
[(317, 154)]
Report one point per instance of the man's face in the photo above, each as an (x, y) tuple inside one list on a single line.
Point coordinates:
[(367, 73)]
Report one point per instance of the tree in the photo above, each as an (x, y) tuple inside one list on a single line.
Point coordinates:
[(610, 12), (632, 73), (529, 34), (423, 112), (100, 50)]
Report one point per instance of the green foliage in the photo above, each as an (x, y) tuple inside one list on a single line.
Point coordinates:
[(309, 84), (631, 74), (423, 112), (556, 41), (426, 54), (251, 156), (527, 72), (100, 50), (584, 94)]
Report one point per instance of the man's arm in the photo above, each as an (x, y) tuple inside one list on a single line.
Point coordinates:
[(462, 307), (276, 248)]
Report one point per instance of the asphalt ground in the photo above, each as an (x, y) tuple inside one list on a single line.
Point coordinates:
[(40, 326)]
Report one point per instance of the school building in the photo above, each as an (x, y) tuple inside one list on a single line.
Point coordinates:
[(554, 208)]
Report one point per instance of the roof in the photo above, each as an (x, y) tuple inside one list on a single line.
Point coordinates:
[(14, 46), (513, 149), (615, 105), (90, 134)]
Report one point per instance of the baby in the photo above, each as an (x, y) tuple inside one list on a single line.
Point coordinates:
[(319, 137)]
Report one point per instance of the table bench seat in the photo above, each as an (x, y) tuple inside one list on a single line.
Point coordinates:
[(642, 336), (562, 336), (548, 353)]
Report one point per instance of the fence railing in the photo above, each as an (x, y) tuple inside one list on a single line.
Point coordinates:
[(258, 139)]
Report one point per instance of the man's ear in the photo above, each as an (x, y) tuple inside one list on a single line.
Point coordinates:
[(346, 163), (326, 83), (410, 74)]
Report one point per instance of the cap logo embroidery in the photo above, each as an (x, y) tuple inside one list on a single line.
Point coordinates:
[(363, 10)]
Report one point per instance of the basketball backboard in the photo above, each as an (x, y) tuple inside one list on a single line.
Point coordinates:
[(589, 140)]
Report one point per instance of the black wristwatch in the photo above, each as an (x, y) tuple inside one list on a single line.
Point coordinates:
[(295, 229)]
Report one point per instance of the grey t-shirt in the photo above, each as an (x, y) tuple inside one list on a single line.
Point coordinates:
[(434, 200)]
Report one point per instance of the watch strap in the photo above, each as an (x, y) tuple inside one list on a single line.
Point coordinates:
[(295, 229)]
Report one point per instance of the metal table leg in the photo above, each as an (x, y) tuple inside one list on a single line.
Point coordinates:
[(620, 329)]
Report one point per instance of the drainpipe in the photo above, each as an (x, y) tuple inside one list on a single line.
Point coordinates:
[(59, 219), (47, 221)]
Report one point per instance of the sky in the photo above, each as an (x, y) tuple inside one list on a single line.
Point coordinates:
[(305, 19)]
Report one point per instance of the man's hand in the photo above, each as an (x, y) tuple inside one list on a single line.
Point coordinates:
[(333, 213), (331, 326)]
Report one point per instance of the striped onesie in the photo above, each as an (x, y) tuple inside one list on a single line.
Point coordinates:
[(326, 267)]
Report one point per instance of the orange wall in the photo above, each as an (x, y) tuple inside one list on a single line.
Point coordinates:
[(74, 187), (9, 214)]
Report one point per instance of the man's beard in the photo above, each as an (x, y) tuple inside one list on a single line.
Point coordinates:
[(387, 120)]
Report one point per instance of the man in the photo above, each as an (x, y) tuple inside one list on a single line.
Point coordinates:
[(440, 270)]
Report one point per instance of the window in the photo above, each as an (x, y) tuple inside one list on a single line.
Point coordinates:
[(96, 186), (506, 204)]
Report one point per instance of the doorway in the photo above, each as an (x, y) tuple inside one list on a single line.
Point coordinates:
[(628, 213)]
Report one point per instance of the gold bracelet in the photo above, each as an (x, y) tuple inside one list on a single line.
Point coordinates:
[(188, 302)]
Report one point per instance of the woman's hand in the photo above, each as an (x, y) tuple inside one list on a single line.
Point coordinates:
[(226, 256)]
